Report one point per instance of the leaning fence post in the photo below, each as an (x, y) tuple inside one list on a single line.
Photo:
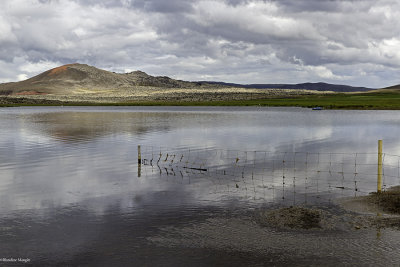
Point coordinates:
[(379, 185), (139, 160), (139, 155)]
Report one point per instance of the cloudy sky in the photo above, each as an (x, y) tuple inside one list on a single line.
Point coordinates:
[(355, 42)]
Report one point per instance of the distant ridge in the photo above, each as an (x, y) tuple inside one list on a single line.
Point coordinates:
[(81, 78), (320, 86), (71, 77), (394, 87)]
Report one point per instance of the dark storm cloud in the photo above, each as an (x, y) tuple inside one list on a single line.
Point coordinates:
[(322, 5), (355, 42), (162, 6)]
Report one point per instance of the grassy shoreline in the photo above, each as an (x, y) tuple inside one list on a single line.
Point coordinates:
[(374, 100)]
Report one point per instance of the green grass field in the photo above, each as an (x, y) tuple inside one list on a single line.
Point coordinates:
[(375, 100), (385, 100)]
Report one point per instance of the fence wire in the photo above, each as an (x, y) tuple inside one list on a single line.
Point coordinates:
[(271, 175)]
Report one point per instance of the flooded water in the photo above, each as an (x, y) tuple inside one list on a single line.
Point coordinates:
[(72, 191)]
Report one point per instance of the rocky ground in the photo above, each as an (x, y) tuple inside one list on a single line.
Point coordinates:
[(146, 94)]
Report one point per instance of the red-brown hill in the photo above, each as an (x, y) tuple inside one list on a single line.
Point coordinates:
[(67, 78)]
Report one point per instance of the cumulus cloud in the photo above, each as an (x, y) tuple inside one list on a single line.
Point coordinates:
[(354, 42)]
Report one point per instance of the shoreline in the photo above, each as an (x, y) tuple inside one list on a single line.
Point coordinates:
[(386, 100)]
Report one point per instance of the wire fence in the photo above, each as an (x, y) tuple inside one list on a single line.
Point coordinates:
[(272, 175)]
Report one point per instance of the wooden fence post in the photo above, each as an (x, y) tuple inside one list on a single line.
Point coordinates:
[(379, 185), (139, 161)]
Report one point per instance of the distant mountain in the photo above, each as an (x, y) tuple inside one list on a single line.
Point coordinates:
[(73, 77), (307, 86), (394, 87), (82, 78)]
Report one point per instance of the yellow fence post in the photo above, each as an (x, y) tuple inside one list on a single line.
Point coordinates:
[(379, 185), (139, 155)]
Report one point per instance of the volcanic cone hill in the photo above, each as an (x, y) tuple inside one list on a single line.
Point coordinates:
[(74, 78), (82, 83)]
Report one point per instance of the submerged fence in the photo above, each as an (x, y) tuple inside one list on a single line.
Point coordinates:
[(274, 174)]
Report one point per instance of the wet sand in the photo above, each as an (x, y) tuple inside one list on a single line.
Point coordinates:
[(342, 238), (203, 237), (350, 231)]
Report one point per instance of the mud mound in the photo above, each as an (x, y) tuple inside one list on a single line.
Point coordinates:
[(292, 217), (388, 201)]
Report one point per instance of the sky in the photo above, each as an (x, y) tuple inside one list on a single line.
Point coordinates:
[(354, 42)]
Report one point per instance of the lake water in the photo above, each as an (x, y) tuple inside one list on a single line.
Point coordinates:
[(72, 191)]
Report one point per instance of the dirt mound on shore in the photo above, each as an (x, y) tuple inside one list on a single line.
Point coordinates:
[(387, 202), (292, 217)]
